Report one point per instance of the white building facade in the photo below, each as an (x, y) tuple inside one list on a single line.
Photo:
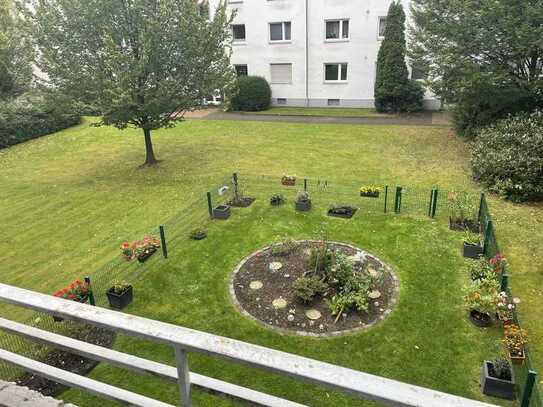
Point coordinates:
[(312, 52)]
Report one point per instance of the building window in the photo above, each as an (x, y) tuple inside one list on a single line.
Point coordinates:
[(337, 30), (382, 26), (280, 31), (281, 73), (238, 32), (333, 102), (281, 101), (241, 70), (335, 72)]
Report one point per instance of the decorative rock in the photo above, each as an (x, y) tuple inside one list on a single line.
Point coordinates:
[(290, 317), (275, 266), (279, 303), (376, 303), (313, 314), (256, 285), (372, 272), (321, 327), (374, 294)]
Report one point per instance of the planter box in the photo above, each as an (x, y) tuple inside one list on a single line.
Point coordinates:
[(464, 224), (119, 301), (346, 212), (221, 212), (303, 206), (288, 182), (370, 194), (142, 258), (492, 386), (518, 359), (472, 251), (479, 319)]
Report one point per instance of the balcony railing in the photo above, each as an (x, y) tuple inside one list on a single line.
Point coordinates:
[(184, 340)]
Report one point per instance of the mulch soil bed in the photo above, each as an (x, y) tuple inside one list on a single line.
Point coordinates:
[(278, 284)]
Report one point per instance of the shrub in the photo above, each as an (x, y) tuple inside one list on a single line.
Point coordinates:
[(306, 288), (482, 295), (320, 259), (507, 157), (252, 93), (26, 118), (284, 247)]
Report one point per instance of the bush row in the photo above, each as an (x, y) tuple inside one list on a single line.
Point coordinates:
[(24, 119)]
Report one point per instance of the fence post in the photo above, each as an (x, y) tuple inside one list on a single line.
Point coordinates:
[(528, 387), (305, 184), (431, 203), (488, 231), (398, 200), (504, 282), (183, 377), (481, 206), (235, 179), (163, 242), (209, 205), (434, 205), (91, 294), (386, 197)]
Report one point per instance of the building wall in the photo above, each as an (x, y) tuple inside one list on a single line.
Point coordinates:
[(359, 51)]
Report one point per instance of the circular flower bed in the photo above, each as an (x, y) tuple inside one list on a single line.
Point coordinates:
[(314, 287)]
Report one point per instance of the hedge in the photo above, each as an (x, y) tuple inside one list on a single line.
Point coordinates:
[(253, 93), (24, 119)]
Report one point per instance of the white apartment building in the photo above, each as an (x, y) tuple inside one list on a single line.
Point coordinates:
[(312, 52)]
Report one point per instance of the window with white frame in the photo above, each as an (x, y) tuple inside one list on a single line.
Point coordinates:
[(337, 29), (281, 73), (241, 70), (382, 27), (280, 31), (238, 32), (335, 72)]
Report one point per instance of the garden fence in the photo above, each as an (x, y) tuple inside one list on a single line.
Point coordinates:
[(197, 213)]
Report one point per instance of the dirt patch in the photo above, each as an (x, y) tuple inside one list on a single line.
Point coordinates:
[(258, 303), (68, 361)]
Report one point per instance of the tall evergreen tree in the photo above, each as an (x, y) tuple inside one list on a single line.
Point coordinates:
[(394, 91)]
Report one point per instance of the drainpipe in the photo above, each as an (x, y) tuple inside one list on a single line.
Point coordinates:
[(306, 54)]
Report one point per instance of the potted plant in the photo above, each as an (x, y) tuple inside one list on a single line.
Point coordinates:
[(221, 212), (370, 191), (515, 340), (481, 269), (146, 247), (119, 295), (289, 180), (505, 308), (77, 291), (472, 245), (303, 201), (342, 211), (481, 298), (497, 379), (462, 212), (277, 200), (198, 234)]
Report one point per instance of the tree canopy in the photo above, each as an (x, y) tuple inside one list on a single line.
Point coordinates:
[(141, 63)]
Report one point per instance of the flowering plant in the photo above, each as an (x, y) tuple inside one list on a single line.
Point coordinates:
[(139, 248), (77, 291), (506, 306), (515, 339), (482, 296), (370, 189), (288, 179), (497, 262)]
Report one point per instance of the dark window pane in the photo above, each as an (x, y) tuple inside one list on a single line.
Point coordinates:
[(331, 72), (382, 26), (345, 29), (332, 30), (287, 31), (238, 31), (241, 70), (276, 31), (343, 72)]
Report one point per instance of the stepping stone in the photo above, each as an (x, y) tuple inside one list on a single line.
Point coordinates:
[(256, 285), (372, 272), (374, 294), (275, 266), (313, 314), (279, 303), (290, 317)]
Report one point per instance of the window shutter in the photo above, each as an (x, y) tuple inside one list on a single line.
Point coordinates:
[(281, 73)]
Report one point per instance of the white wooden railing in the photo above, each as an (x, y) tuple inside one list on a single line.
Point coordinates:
[(183, 340)]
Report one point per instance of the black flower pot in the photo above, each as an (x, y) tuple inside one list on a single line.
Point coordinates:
[(472, 251), (342, 212), (142, 258), (480, 319), (493, 386), (221, 212), (119, 301), (303, 206), (370, 194)]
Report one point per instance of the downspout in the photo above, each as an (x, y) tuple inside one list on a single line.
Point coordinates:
[(306, 54)]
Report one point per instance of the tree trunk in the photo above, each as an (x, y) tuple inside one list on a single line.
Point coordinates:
[(149, 153)]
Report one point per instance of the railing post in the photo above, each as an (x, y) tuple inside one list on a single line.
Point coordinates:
[(209, 205), (398, 200), (163, 242), (305, 184), (91, 294), (386, 197), (528, 387), (183, 376), (431, 202), (488, 231), (434, 204)]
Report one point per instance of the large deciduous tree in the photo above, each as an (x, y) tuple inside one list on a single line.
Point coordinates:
[(484, 56), (394, 91), (141, 63)]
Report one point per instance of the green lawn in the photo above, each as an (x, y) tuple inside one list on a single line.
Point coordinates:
[(323, 111), (69, 199)]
